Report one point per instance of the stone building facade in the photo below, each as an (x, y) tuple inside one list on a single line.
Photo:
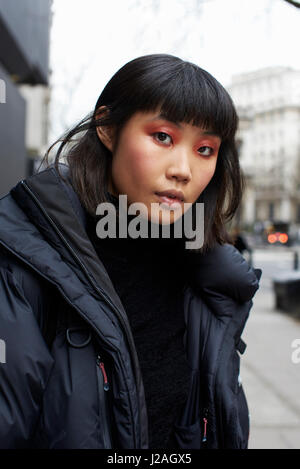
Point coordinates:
[(268, 104)]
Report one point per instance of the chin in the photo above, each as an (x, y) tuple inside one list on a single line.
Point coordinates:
[(165, 217)]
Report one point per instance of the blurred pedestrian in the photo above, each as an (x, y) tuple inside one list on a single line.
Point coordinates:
[(240, 243), (118, 341)]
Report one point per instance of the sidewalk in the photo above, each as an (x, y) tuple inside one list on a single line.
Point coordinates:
[(271, 380)]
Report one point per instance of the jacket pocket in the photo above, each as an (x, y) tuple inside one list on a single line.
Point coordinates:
[(189, 437), (194, 435), (104, 398)]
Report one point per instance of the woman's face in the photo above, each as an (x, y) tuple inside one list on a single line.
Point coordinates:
[(154, 156)]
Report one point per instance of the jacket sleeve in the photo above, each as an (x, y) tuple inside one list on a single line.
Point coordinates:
[(25, 365)]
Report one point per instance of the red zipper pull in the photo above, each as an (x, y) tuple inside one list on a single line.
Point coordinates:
[(205, 425), (102, 368)]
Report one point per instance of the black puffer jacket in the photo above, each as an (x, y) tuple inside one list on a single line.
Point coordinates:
[(79, 385)]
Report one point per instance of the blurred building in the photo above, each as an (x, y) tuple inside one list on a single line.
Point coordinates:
[(24, 91), (268, 104)]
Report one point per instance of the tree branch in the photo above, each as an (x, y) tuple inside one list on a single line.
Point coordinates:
[(293, 2)]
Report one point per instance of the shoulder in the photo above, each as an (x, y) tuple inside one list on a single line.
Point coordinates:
[(21, 281), (224, 270)]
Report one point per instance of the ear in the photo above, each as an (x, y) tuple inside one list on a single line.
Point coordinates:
[(105, 132)]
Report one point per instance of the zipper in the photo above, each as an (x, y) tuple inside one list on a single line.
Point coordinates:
[(94, 284), (100, 363), (205, 422), (103, 386)]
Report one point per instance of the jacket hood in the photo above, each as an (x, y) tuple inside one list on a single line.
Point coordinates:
[(222, 270)]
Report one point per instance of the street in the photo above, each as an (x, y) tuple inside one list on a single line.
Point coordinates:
[(270, 378)]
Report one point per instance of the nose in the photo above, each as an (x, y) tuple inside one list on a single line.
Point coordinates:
[(179, 166)]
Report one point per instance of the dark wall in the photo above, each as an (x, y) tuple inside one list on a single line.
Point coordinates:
[(24, 38), (12, 136)]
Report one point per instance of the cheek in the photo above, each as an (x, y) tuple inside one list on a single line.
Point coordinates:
[(141, 166), (205, 175), (211, 172), (142, 156), (133, 163)]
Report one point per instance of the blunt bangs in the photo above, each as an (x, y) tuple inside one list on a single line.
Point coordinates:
[(181, 91)]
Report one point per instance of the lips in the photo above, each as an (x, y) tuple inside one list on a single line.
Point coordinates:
[(171, 195)]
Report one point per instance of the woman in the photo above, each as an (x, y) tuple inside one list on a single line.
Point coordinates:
[(127, 341)]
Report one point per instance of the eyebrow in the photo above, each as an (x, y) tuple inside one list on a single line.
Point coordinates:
[(164, 117)]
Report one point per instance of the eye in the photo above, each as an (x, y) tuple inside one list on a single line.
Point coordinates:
[(206, 151), (162, 137)]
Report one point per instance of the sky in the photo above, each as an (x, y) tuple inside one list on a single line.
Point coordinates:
[(91, 39)]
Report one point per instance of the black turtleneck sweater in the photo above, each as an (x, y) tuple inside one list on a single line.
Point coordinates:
[(148, 275)]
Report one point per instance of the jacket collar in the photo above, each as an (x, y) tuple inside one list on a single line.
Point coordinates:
[(53, 207), (221, 271)]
